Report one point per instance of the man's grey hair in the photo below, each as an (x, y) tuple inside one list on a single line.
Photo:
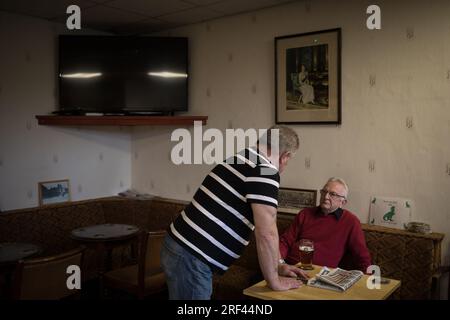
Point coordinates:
[(341, 182), (288, 139)]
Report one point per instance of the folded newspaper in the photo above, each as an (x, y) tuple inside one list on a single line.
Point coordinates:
[(337, 279)]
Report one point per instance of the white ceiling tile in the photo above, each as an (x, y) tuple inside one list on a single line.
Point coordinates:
[(239, 6), (106, 17), (203, 2), (152, 8), (143, 27), (46, 9), (128, 16), (198, 14)]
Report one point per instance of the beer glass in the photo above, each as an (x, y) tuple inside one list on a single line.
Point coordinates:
[(306, 248)]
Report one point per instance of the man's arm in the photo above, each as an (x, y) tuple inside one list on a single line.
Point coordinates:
[(266, 234), (289, 237)]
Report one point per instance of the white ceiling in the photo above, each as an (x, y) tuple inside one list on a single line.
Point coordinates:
[(136, 16)]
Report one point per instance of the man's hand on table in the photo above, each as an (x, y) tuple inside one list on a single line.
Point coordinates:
[(284, 283), (287, 270)]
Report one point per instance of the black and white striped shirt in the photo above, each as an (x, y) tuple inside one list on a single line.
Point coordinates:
[(217, 224)]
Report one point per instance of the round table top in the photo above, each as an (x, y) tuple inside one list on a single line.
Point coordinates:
[(14, 251), (105, 232)]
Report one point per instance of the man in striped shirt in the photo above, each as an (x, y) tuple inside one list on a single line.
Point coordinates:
[(238, 196)]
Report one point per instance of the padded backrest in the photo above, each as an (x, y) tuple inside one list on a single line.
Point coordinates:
[(162, 213), (403, 257), (45, 278), (50, 226)]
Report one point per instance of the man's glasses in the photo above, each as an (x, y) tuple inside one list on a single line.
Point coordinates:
[(332, 194)]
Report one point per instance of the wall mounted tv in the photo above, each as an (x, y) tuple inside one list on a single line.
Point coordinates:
[(122, 75)]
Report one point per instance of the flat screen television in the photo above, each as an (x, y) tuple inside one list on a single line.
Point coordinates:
[(122, 75)]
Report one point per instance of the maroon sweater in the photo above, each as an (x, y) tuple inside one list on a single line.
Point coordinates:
[(334, 235)]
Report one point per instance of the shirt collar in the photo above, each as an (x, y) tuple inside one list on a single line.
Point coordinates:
[(337, 213)]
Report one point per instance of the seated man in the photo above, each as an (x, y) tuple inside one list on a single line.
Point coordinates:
[(336, 232)]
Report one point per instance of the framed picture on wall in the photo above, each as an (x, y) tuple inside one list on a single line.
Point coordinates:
[(308, 78), (56, 191), (293, 200)]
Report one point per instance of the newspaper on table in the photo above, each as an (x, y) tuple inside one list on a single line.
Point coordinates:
[(337, 279)]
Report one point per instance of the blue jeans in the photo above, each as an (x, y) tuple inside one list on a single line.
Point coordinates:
[(188, 278)]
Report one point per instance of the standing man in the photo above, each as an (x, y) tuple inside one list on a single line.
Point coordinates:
[(238, 196)]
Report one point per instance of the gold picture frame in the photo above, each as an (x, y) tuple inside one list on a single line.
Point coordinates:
[(308, 78), (55, 191)]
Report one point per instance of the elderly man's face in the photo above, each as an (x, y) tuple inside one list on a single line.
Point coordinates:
[(332, 197)]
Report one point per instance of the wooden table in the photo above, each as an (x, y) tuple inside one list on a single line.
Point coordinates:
[(358, 291), (105, 232), (105, 237), (12, 252)]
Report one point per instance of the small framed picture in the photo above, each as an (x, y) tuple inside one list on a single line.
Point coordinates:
[(56, 191), (294, 200)]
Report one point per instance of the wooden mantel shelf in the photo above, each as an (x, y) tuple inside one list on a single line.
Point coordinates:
[(118, 120)]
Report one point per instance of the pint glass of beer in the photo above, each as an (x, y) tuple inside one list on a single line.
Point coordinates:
[(306, 248)]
